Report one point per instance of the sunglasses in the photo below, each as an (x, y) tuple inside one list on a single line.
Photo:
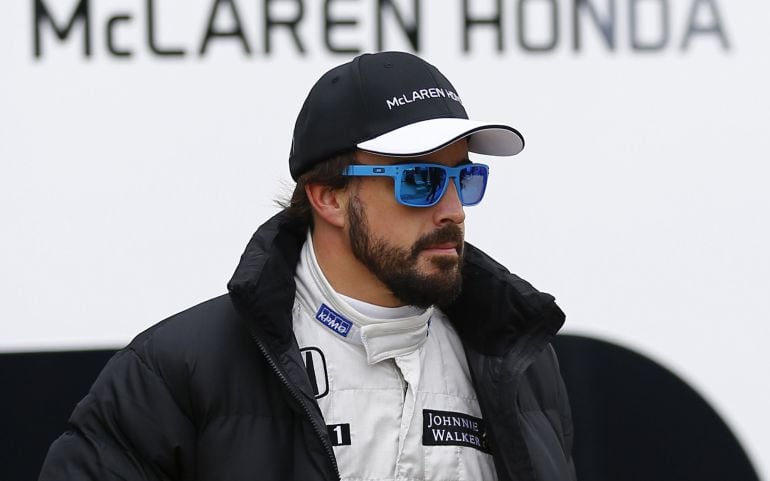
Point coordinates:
[(423, 185)]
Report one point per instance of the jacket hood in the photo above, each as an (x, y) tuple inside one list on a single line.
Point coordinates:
[(495, 310)]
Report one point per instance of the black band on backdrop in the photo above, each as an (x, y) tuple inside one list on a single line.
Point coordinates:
[(634, 420)]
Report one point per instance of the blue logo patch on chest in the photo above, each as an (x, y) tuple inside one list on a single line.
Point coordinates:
[(333, 320)]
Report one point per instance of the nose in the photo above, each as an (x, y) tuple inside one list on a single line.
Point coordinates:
[(449, 208)]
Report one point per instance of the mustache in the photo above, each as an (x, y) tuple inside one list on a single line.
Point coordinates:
[(449, 233)]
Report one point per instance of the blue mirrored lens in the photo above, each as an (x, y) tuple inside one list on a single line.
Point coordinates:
[(473, 183), (421, 186)]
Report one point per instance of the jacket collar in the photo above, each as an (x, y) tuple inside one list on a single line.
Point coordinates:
[(262, 287), (495, 312)]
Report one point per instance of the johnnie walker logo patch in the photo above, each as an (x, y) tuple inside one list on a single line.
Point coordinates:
[(446, 428)]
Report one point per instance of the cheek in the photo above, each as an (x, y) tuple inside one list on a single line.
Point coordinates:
[(398, 224), (406, 233), (394, 225), (378, 192)]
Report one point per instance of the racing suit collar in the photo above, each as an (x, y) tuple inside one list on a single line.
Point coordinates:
[(389, 333)]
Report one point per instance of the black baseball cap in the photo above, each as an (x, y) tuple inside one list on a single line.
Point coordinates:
[(389, 103)]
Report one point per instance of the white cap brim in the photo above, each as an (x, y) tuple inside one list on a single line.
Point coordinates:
[(424, 137)]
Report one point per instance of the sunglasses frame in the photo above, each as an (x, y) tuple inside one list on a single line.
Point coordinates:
[(397, 171)]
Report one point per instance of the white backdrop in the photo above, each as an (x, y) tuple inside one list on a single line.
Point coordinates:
[(129, 185)]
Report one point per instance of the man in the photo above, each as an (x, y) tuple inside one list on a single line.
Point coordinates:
[(361, 337)]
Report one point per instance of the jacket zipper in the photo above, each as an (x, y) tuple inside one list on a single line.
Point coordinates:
[(274, 366)]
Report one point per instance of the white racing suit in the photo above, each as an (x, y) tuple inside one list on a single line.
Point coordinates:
[(392, 384)]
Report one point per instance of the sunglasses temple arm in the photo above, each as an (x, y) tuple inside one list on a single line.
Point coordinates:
[(367, 171)]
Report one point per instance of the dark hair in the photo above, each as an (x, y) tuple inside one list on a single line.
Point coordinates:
[(328, 173)]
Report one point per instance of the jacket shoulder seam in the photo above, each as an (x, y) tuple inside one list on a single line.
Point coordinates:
[(148, 368)]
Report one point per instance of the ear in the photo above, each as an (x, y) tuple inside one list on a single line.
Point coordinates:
[(328, 203)]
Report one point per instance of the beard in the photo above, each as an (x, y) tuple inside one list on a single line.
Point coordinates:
[(397, 267)]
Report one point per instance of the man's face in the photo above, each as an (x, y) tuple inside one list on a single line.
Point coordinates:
[(415, 251)]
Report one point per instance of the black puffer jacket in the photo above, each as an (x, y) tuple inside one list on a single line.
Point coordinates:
[(220, 392)]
